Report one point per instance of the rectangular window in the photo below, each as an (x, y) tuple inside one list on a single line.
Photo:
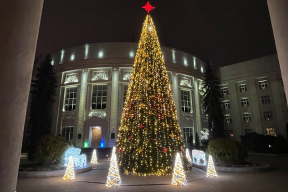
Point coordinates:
[(271, 132), (265, 99), (227, 119), (248, 130), (245, 102), (246, 117), (186, 101), (226, 104), (188, 132), (125, 89), (224, 91), (99, 97), (67, 132), (243, 88), (267, 115), (70, 99), (262, 84)]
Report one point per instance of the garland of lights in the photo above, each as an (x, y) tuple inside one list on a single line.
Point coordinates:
[(94, 157), (211, 172), (113, 178), (179, 177), (149, 134), (69, 173)]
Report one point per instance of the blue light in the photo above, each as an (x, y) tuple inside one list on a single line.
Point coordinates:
[(102, 144)]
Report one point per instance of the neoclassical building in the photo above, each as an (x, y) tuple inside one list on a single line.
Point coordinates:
[(93, 80)]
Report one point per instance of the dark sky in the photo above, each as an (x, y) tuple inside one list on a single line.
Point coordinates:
[(224, 31)]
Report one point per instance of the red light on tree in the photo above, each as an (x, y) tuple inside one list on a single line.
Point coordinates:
[(148, 7)]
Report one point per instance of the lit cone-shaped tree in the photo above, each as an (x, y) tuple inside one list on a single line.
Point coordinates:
[(113, 178), (211, 172), (179, 177), (94, 157), (149, 134), (69, 174), (188, 156)]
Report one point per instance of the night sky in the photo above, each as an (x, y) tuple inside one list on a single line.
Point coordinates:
[(224, 31)]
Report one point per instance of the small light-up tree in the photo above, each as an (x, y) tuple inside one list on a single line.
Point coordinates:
[(188, 156), (211, 172), (94, 157), (113, 178), (179, 177), (69, 174)]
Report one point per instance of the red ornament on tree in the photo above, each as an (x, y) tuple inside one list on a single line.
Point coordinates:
[(148, 7), (164, 149), (141, 126), (130, 138)]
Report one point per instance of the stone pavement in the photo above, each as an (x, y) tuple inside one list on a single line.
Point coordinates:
[(92, 181)]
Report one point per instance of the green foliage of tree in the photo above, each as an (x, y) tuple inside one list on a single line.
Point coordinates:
[(211, 103), (42, 98), (50, 150)]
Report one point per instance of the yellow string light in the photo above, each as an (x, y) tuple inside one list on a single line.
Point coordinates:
[(69, 173), (94, 157), (211, 172)]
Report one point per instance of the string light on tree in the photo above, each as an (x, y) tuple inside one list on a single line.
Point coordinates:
[(149, 133), (188, 156), (94, 157), (69, 174), (179, 177), (211, 172), (113, 178)]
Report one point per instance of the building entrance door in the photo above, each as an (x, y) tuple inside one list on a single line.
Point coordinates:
[(96, 137)]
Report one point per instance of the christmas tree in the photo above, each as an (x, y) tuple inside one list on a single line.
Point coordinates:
[(179, 177), (69, 174), (94, 157), (188, 156), (211, 172), (149, 135), (113, 178)]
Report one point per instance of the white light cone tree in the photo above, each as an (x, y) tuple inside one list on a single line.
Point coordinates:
[(70, 174), (113, 178), (179, 177), (211, 172), (94, 157)]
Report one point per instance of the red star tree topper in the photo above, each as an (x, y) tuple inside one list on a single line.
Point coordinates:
[(148, 7)]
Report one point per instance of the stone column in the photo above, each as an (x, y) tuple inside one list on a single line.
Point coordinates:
[(175, 89), (19, 21), (197, 113), (81, 110), (114, 105), (278, 10)]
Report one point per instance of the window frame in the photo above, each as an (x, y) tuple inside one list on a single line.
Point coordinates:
[(267, 115), (245, 102), (246, 117), (266, 99), (190, 133), (94, 98), (227, 119), (263, 84), (226, 104), (187, 103), (70, 101), (70, 133), (224, 91), (243, 88)]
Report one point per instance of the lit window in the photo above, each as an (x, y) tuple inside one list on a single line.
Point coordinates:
[(186, 101), (72, 57), (265, 99), (125, 89), (70, 99), (188, 132), (245, 102), (243, 88), (247, 117), (267, 115), (185, 62), (131, 54), (226, 104), (99, 97), (227, 119), (67, 132), (100, 54), (262, 84), (224, 91), (271, 132)]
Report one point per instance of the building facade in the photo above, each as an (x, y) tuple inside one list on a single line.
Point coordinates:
[(254, 98), (93, 81)]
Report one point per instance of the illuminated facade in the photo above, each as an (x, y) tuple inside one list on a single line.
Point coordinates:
[(93, 80)]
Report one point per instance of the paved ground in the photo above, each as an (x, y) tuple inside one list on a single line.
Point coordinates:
[(92, 181)]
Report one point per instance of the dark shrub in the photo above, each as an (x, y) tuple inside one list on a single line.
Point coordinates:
[(50, 149), (226, 151), (280, 145)]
